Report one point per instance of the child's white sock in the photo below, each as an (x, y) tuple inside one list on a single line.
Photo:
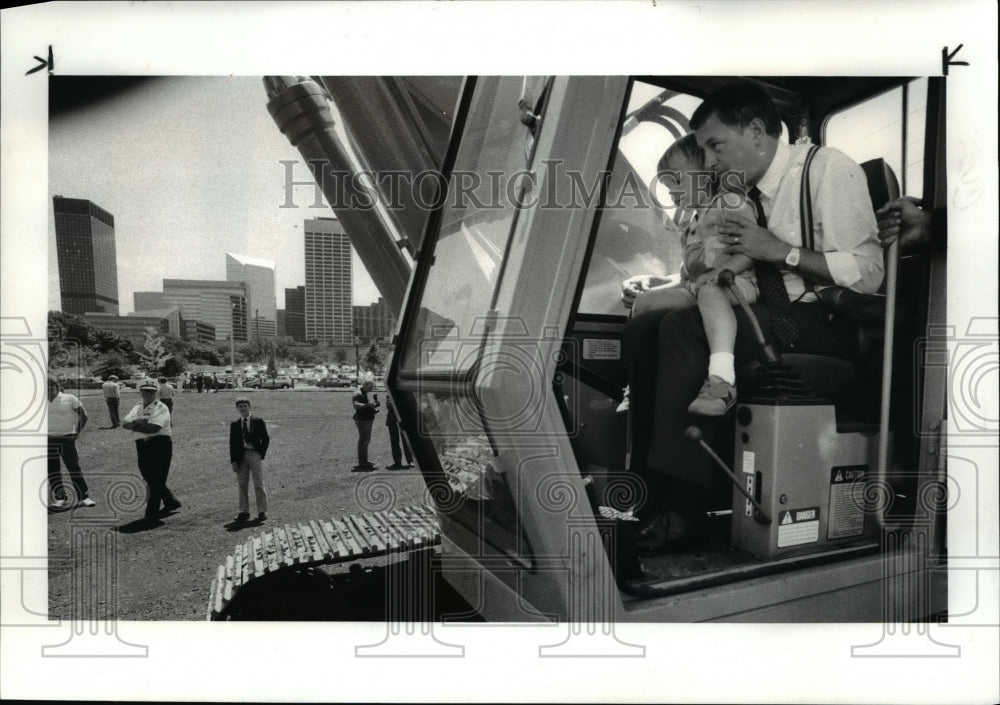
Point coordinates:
[(722, 365)]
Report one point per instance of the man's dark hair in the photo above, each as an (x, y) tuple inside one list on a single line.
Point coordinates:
[(736, 104)]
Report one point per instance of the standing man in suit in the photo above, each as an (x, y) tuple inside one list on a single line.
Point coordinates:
[(248, 441)]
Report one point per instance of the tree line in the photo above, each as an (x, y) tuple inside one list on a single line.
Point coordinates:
[(74, 342)]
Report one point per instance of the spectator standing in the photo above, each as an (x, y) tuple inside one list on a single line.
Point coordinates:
[(149, 420), (167, 395), (364, 416), (198, 382), (392, 423), (67, 418), (112, 397), (248, 443), (215, 383)]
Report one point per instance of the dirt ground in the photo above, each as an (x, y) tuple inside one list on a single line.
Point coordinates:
[(164, 573)]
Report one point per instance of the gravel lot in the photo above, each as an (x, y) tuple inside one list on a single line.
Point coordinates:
[(164, 573)]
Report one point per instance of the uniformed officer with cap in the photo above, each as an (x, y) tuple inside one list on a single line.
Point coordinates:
[(149, 421)]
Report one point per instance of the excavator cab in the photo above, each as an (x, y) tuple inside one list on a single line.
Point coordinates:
[(509, 367), (504, 260)]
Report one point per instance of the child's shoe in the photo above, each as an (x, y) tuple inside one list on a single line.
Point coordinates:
[(716, 397)]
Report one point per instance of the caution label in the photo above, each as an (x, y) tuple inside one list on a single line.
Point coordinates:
[(602, 349), (798, 526), (749, 507), (847, 509)]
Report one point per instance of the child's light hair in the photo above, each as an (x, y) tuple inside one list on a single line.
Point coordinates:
[(685, 148)]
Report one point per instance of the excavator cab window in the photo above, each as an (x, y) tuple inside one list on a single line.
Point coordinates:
[(440, 358)]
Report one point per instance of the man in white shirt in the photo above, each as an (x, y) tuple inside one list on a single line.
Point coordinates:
[(739, 128), (112, 397), (67, 418), (149, 421), (166, 392)]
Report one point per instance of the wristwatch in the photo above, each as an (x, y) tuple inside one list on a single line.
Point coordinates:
[(793, 256)]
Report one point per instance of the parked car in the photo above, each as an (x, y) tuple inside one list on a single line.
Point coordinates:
[(277, 382), (333, 381), (81, 382)]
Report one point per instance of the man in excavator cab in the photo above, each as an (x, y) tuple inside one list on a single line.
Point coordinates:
[(739, 128)]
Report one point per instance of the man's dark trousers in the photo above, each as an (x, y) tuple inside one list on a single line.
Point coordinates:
[(394, 440), (154, 455), (65, 448), (113, 410), (668, 363)]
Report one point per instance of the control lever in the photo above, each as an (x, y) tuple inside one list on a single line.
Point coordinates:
[(768, 354), (693, 434), (775, 377)]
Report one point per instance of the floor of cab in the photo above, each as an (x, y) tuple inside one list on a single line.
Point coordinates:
[(716, 562)]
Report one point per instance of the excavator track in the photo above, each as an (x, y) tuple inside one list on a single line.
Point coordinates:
[(342, 539)]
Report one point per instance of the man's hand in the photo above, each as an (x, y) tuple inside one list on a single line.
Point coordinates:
[(745, 237), (633, 286), (236, 467), (903, 219)]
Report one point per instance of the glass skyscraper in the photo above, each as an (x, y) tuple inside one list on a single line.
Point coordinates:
[(85, 250)]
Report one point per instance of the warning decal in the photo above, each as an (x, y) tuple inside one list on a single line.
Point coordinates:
[(601, 349), (847, 511), (798, 526)]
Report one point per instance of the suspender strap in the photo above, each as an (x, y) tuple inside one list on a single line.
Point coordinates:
[(805, 210)]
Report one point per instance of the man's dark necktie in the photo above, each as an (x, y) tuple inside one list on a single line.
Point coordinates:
[(771, 284), (246, 432)]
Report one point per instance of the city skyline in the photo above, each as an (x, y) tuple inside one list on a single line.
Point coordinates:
[(183, 199)]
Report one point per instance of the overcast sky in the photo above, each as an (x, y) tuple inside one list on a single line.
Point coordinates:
[(190, 169)]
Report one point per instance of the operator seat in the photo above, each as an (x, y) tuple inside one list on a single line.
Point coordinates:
[(829, 377)]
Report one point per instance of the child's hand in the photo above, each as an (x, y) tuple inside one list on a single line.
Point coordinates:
[(709, 277), (632, 287)]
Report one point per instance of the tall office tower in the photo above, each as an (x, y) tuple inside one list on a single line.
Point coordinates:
[(295, 313), (262, 305), (219, 304), (85, 248), (328, 313), (147, 301)]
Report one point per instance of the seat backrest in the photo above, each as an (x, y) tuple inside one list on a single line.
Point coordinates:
[(882, 188), (882, 183)]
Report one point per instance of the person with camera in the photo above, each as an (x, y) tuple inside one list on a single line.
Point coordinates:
[(364, 416)]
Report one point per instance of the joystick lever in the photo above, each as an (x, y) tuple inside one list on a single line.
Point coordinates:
[(693, 434), (768, 354), (774, 376)]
